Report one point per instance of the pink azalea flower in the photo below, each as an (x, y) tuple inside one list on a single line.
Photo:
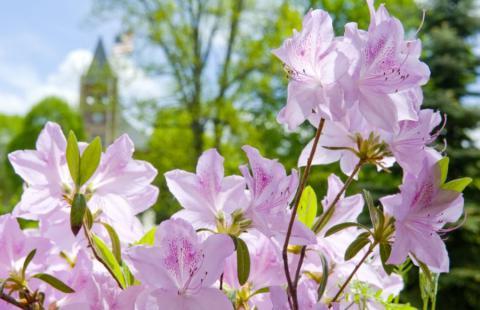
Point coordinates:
[(120, 188), (315, 65), (386, 65), (180, 269), (409, 144), (333, 247), (347, 209), (207, 195), (342, 133), (307, 297), (271, 192), (94, 288), (266, 266), (15, 245), (421, 209)]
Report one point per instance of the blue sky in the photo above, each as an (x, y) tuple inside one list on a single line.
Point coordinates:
[(44, 47), (44, 31)]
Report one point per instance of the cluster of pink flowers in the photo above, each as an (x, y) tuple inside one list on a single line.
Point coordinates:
[(256, 240)]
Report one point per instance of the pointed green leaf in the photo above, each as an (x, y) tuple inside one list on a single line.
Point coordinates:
[(73, 158), (443, 165), (128, 276), (342, 226), (371, 208), (323, 220), (115, 240), (359, 243), (457, 185), (385, 250), (307, 209), (88, 219), (428, 285), (90, 160), (54, 282), (77, 212), (424, 268), (109, 259), (263, 290), (323, 284), (243, 260), (148, 238), (27, 261)]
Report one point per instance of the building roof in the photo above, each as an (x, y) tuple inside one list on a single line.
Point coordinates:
[(99, 65)]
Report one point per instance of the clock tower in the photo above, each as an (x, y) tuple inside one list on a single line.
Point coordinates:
[(99, 98)]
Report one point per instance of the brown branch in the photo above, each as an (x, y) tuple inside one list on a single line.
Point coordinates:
[(317, 224), (333, 204), (291, 287), (370, 250), (9, 299)]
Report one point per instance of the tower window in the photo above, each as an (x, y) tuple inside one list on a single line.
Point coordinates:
[(98, 118), (90, 100)]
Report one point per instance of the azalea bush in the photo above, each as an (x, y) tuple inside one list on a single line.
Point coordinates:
[(260, 239)]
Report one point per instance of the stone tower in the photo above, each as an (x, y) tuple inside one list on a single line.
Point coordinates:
[(99, 98)]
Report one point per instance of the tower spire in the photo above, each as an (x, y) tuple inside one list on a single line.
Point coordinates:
[(99, 97)]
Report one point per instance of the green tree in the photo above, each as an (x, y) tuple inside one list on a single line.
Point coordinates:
[(208, 50), (10, 126), (51, 109), (447, 33)]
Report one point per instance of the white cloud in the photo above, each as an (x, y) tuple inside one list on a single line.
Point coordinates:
[(22, 86)]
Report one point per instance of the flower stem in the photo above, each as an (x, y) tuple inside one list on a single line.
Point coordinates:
[(97, 257), (291, 288), (9, 299), (370, 250), (333, 204), (322, 219)]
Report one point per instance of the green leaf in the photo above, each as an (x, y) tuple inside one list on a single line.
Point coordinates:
[(457, 185), (359, 243), (27, 261), (77, 213), (88, 219), (116, 248), (424, 268), (148, 238), (54, 282), (323, 220), (428, 285), (128, 276), (263, 290), (307, 209), (323, 284), (73, 158), (90, 160), (342, 226), (443, 165), (385, 250), (109, 259), (243, 260), (27, 224)]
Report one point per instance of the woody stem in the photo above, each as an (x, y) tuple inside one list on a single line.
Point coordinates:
[(370, 250), (319, 222), (291, 287)]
